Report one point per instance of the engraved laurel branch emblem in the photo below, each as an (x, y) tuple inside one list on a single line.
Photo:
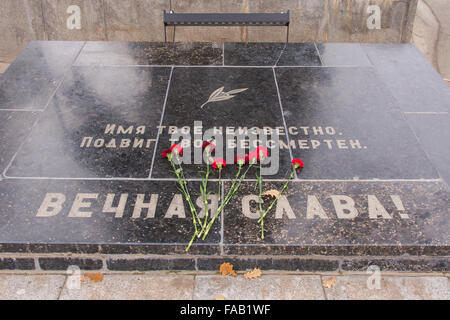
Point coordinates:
[(220, 95)]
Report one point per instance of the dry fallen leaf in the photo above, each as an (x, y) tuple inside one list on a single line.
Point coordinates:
[(226, 268), (83, 279), (95, 277), (220, 298), (271, 193), (329, 282), (256, 273)]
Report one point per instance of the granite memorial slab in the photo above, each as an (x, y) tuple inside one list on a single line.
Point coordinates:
[(82, 138), (14, 128), (100, 216), (34, 76), (271, 54), (344, 123), (342, 218), (343, 54), (257, 107), (414, 83), (433, 132), (101, 123), (150, 53)]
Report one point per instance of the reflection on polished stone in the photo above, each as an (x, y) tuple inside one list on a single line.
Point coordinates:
[(14, 128), (413, 81), (141, 217), (271, 54), (341, 218), (343, 54), (433, 132), (345, 124), (101, 123), (150, 53), (33, 77)]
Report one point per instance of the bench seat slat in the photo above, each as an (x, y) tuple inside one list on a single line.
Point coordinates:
[(226, 18)]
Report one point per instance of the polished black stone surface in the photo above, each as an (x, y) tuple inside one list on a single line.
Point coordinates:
[(343, 54), (62, 212), (367, 137), (415, 84), (150, 53), (271, 54), (90, 99), (14, 128), (258, 107), (34, 76), (105, 117), (433, 132), (341, 218)]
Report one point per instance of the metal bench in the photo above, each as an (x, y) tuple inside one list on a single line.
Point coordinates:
[(225, 19)]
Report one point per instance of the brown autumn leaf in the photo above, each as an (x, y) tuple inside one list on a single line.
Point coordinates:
[(256, 273), (271, 193), (95, 277), (226, 268), (329, 282), (83, 279)]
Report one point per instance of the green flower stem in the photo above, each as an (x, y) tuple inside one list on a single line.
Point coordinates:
[(189, 199), (259, 184), (279, 195), (218, 199), (183, 188), (192, 241), (203, 190), (233, 189)]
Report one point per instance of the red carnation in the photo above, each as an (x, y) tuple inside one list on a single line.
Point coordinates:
[(251, 156), (240, 160), (175, 147), (298, 163), (219, 163), (259, 154), (212, 147), (262, 152)]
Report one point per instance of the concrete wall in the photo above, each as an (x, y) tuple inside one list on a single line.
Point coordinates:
[(141, 20), (431, 33)]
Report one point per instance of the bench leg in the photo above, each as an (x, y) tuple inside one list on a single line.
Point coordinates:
[(287, 34), (174, 28), (165, 33)]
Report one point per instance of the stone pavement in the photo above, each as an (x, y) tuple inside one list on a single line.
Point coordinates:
[(207, 286)]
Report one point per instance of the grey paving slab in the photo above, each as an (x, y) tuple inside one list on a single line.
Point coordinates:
[(30, 287), (390, 288), (270, 287), (132, 287)]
